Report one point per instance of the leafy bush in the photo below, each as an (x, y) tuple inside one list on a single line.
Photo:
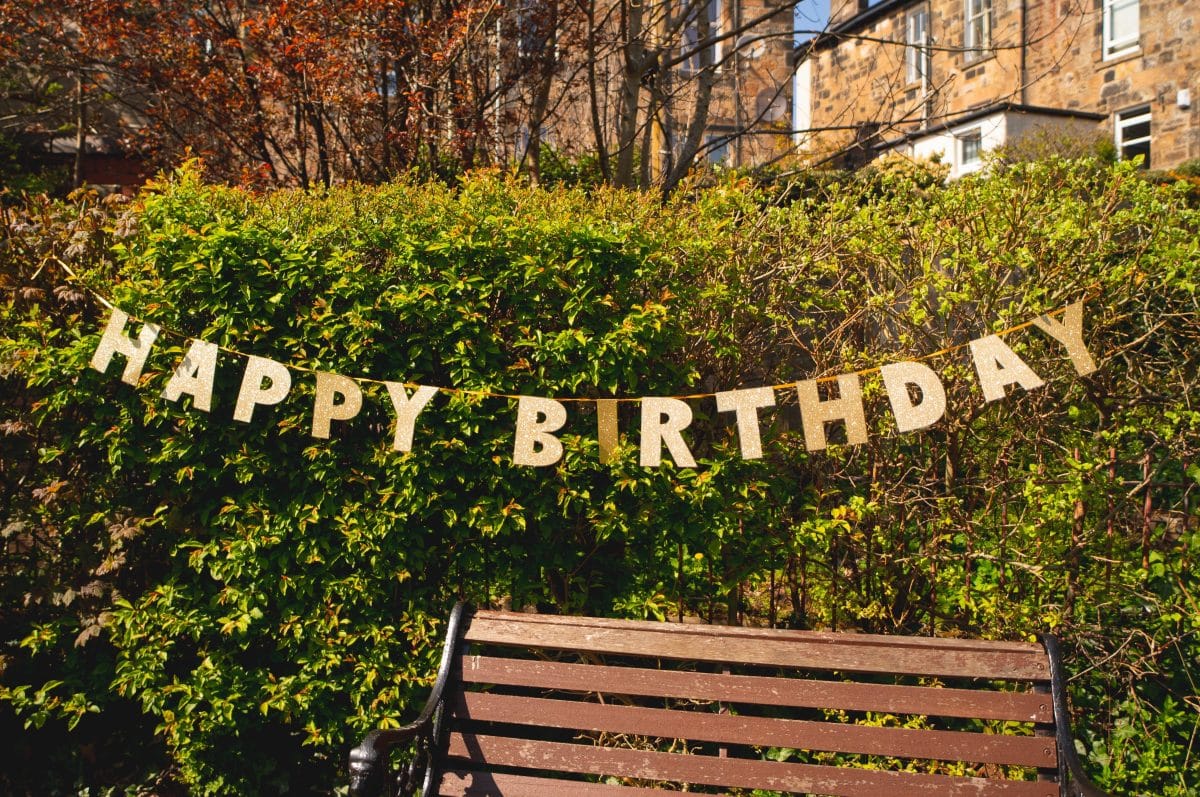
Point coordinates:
[(1049, 141), (895, 167), (261, 598)]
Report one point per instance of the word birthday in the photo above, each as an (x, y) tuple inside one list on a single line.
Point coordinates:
[(914, 390)]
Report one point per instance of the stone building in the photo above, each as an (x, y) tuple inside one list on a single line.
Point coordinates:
[(955, 78), (749, 122)]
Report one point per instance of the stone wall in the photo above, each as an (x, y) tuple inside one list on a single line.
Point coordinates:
[(755, 90), (859, 90), (1074, 74)]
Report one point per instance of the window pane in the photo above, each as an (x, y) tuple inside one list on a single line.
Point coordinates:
[(916, 27), (914, 56), (977, 35), (1125, 22), (1122, 23), (971, 148), (1136, 130), (1133, 134), (1130, 151)]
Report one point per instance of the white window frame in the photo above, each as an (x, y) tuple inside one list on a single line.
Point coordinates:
[(916, 45), (1129, 118), (977, 29), (965, 166), (1118, 43)]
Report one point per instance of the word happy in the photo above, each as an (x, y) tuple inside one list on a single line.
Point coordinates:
[(914, 390)]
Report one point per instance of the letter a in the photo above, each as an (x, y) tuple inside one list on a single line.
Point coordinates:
[(998, 366), (194, 375)]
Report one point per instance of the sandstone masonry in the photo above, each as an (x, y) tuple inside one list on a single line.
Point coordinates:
[(958, 77)]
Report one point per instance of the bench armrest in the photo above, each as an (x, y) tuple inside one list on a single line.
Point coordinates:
[(369, 761), (369, 767), (1073, 781)]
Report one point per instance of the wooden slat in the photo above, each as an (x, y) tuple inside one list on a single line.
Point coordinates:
[(461, 783), (987, 704), (751, 632), (842, 652), (729, 772), (735, 729)]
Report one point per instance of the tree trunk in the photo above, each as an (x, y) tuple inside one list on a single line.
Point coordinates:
[(695, 134), (80, 131), (593, 97), (317, 123), (698, 123), (634, 71), (385, 143)]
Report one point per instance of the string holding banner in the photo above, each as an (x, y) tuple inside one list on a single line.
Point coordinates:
[(914, 390), (1045, 322)]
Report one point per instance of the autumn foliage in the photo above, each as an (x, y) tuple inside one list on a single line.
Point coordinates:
[(299, 92)]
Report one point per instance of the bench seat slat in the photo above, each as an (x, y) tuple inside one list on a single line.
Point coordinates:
[(461, 783), (728, 772), (845, 652), (986, 704), (750, 632), (734, 729)]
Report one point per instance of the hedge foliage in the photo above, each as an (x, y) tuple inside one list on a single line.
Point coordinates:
[(228, 606)]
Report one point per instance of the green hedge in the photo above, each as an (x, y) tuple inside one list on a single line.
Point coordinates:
[(228, 606)]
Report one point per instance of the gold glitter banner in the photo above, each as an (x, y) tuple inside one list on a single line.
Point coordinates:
[(915, 393)]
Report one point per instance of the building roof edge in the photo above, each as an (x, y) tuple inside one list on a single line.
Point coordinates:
[(987, 110), (843, 30)]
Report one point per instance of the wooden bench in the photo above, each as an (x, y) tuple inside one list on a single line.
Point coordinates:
[(528, 704)]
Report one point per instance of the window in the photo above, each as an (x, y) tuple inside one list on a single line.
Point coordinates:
[(1121, 27), (692, 34), (1133, 135), (388, 85), (916, 39), (977, 37), (970, 146), (718, 148)]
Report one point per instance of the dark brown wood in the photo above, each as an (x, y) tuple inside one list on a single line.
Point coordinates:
[(810, 650), (751, 632), (461, 783), (735, 729), (988, 704), (726, 772), (605, 699)]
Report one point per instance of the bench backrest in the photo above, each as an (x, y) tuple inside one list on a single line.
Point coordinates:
[(546, 699)]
